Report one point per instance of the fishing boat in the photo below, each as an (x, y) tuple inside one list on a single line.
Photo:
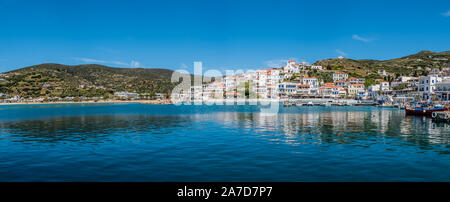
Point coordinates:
[(425, 110)]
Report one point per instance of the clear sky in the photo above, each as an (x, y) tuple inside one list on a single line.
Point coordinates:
[(224, 34)]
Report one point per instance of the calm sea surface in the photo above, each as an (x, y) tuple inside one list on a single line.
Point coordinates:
[(134, 142)]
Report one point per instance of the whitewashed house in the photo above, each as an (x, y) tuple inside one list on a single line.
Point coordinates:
[(426, 86), (442, 90), (291, 67), (339, 76)]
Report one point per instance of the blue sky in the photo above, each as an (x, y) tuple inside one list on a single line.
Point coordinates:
[(224, 34)]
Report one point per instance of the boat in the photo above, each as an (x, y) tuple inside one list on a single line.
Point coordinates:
[(287, 104), (387, 105), (326, 104), (310, 104), (399, 106), (364, 103), (442, 116), (425, 111)]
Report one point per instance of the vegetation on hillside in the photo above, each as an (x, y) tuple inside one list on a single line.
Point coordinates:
[(412, 65), (55, 80)]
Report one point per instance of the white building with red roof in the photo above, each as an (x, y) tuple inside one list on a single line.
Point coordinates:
[(291, 67)]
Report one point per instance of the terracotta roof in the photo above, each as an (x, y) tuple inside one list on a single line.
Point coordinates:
[(331, 86)]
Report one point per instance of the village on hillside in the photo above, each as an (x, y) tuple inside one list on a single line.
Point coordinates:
[(291, 82)]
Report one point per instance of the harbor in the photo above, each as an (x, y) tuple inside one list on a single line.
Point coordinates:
[(125, 142)]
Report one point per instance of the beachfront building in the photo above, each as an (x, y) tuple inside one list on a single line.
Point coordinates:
[(373, 90), (329, 91), (160, 96), (287, 89), (405, 87), (356, 90), (272, 91), (126, 95), (404, 81), (303, 89), (342, 93), (426, 86), (339, 76), (214, 90), (313, 82), (233, 95), (442, 90), (384, 86), (261, 90), (196, 93)]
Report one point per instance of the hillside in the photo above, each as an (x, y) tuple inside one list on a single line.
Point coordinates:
[(51, 80), (414, 65)]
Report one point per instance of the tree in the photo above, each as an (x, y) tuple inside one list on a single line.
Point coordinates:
[(369, 82)]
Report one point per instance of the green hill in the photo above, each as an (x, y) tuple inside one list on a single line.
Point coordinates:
[(414, 65), (56, 80)]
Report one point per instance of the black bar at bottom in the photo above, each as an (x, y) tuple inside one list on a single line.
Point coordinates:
[(255, 191)]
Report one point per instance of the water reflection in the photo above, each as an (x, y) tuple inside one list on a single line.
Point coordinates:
[(89, 128), (316, 126), (363, 128)]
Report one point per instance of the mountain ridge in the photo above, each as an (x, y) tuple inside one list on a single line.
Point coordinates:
[(414, 64), (58, 80), (92, 80)]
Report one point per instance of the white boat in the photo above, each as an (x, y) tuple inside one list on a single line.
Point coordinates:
[(310, 104), (327, 104), (387, 105)]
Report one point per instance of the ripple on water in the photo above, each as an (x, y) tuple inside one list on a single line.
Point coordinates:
[(219, 143)]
